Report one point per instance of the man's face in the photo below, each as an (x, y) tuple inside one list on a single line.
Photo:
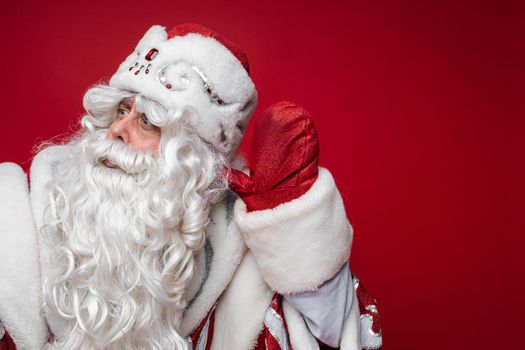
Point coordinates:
[(134, 129)]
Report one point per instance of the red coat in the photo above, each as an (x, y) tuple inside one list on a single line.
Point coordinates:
[(292, 248)]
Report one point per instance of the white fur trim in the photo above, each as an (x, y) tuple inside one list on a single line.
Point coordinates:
[(241, 309), (2, 330), (218, 124), (350, 338), (302, 243), (228, 249), (199, 275), (20, 290), (154, 34), (300, 336)]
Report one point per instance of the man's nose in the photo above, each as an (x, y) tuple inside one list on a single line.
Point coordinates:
[(120, 128)]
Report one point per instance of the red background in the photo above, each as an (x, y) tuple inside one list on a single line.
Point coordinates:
[(420, 111)]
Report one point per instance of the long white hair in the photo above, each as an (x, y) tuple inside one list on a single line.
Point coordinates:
[(123, 240)]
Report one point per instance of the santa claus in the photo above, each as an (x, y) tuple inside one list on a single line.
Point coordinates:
[(144, 231)]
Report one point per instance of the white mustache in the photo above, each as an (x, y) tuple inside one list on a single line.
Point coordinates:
[(120, 155)]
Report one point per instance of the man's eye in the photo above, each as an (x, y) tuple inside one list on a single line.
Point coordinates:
[(122, 112), (145, 120)]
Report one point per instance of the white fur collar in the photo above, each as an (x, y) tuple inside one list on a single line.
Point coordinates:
[(20, 291), (225, 252), (241, 309)]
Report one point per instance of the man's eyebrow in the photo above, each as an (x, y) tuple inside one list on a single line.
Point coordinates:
[(127, 102)]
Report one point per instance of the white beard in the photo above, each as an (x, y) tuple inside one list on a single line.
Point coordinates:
[(123, 243)]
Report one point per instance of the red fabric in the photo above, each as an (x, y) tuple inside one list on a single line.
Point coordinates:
[(186, 28), (196, 334), (6, 343), (365, 300), (266, 340), (194, 337), (211, 328), (284, 158)]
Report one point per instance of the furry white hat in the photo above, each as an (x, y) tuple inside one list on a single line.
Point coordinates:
[(191, 69)]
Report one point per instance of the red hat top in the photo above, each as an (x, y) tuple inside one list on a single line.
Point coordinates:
[(187, 28)]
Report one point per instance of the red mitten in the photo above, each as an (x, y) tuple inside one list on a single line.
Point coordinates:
[(284, 158)]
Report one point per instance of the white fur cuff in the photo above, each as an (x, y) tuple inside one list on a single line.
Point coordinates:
[(300, 244)]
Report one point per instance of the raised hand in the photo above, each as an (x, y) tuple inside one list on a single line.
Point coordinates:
[(283, 160)]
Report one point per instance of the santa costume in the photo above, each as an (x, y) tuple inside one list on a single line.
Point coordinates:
[(272, 271)]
